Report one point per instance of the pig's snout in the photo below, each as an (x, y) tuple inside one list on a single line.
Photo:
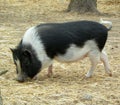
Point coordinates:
[(21, 78)]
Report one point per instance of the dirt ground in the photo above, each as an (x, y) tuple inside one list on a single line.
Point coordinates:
[(67, 86)]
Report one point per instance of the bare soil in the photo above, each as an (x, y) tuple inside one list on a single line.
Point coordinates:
[(67, 86)]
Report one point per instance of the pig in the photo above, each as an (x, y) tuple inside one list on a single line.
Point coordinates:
[(64, 42)]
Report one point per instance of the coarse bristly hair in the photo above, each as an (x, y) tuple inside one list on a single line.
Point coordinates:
[(64, 42)]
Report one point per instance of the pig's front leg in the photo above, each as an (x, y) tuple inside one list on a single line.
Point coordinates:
[(50, 73)]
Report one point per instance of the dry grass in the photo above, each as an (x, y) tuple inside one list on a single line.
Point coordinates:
[(67, 86), (109, 6)]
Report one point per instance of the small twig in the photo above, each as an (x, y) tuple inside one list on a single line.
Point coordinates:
[(3, 72), (1, 102)]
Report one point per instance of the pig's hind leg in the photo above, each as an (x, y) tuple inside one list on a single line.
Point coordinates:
[(104, 59), (94, 58)]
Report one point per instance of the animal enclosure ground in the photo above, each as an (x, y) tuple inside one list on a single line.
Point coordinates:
[(67, 86)]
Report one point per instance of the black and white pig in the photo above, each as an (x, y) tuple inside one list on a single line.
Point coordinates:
[(65, 42)]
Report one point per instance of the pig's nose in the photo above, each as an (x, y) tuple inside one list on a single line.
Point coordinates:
[(20, 79)]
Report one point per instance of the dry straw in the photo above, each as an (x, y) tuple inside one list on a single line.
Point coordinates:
[(66, 87)]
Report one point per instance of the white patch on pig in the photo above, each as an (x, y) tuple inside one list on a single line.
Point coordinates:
[(32, 38), (74, 52), (18, 66)]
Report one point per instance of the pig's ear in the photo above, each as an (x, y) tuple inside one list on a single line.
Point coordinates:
[(11, 49)]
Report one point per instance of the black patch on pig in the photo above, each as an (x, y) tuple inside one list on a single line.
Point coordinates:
[(57, 37)]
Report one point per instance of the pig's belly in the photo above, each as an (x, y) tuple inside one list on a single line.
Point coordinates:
[(73, 53)]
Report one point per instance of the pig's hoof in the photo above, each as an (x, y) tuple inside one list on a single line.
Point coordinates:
[(35, 78), (110, 74), (88, 76), (84, 77), (49, 75)]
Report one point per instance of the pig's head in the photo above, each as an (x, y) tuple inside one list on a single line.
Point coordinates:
[(27, 64)]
